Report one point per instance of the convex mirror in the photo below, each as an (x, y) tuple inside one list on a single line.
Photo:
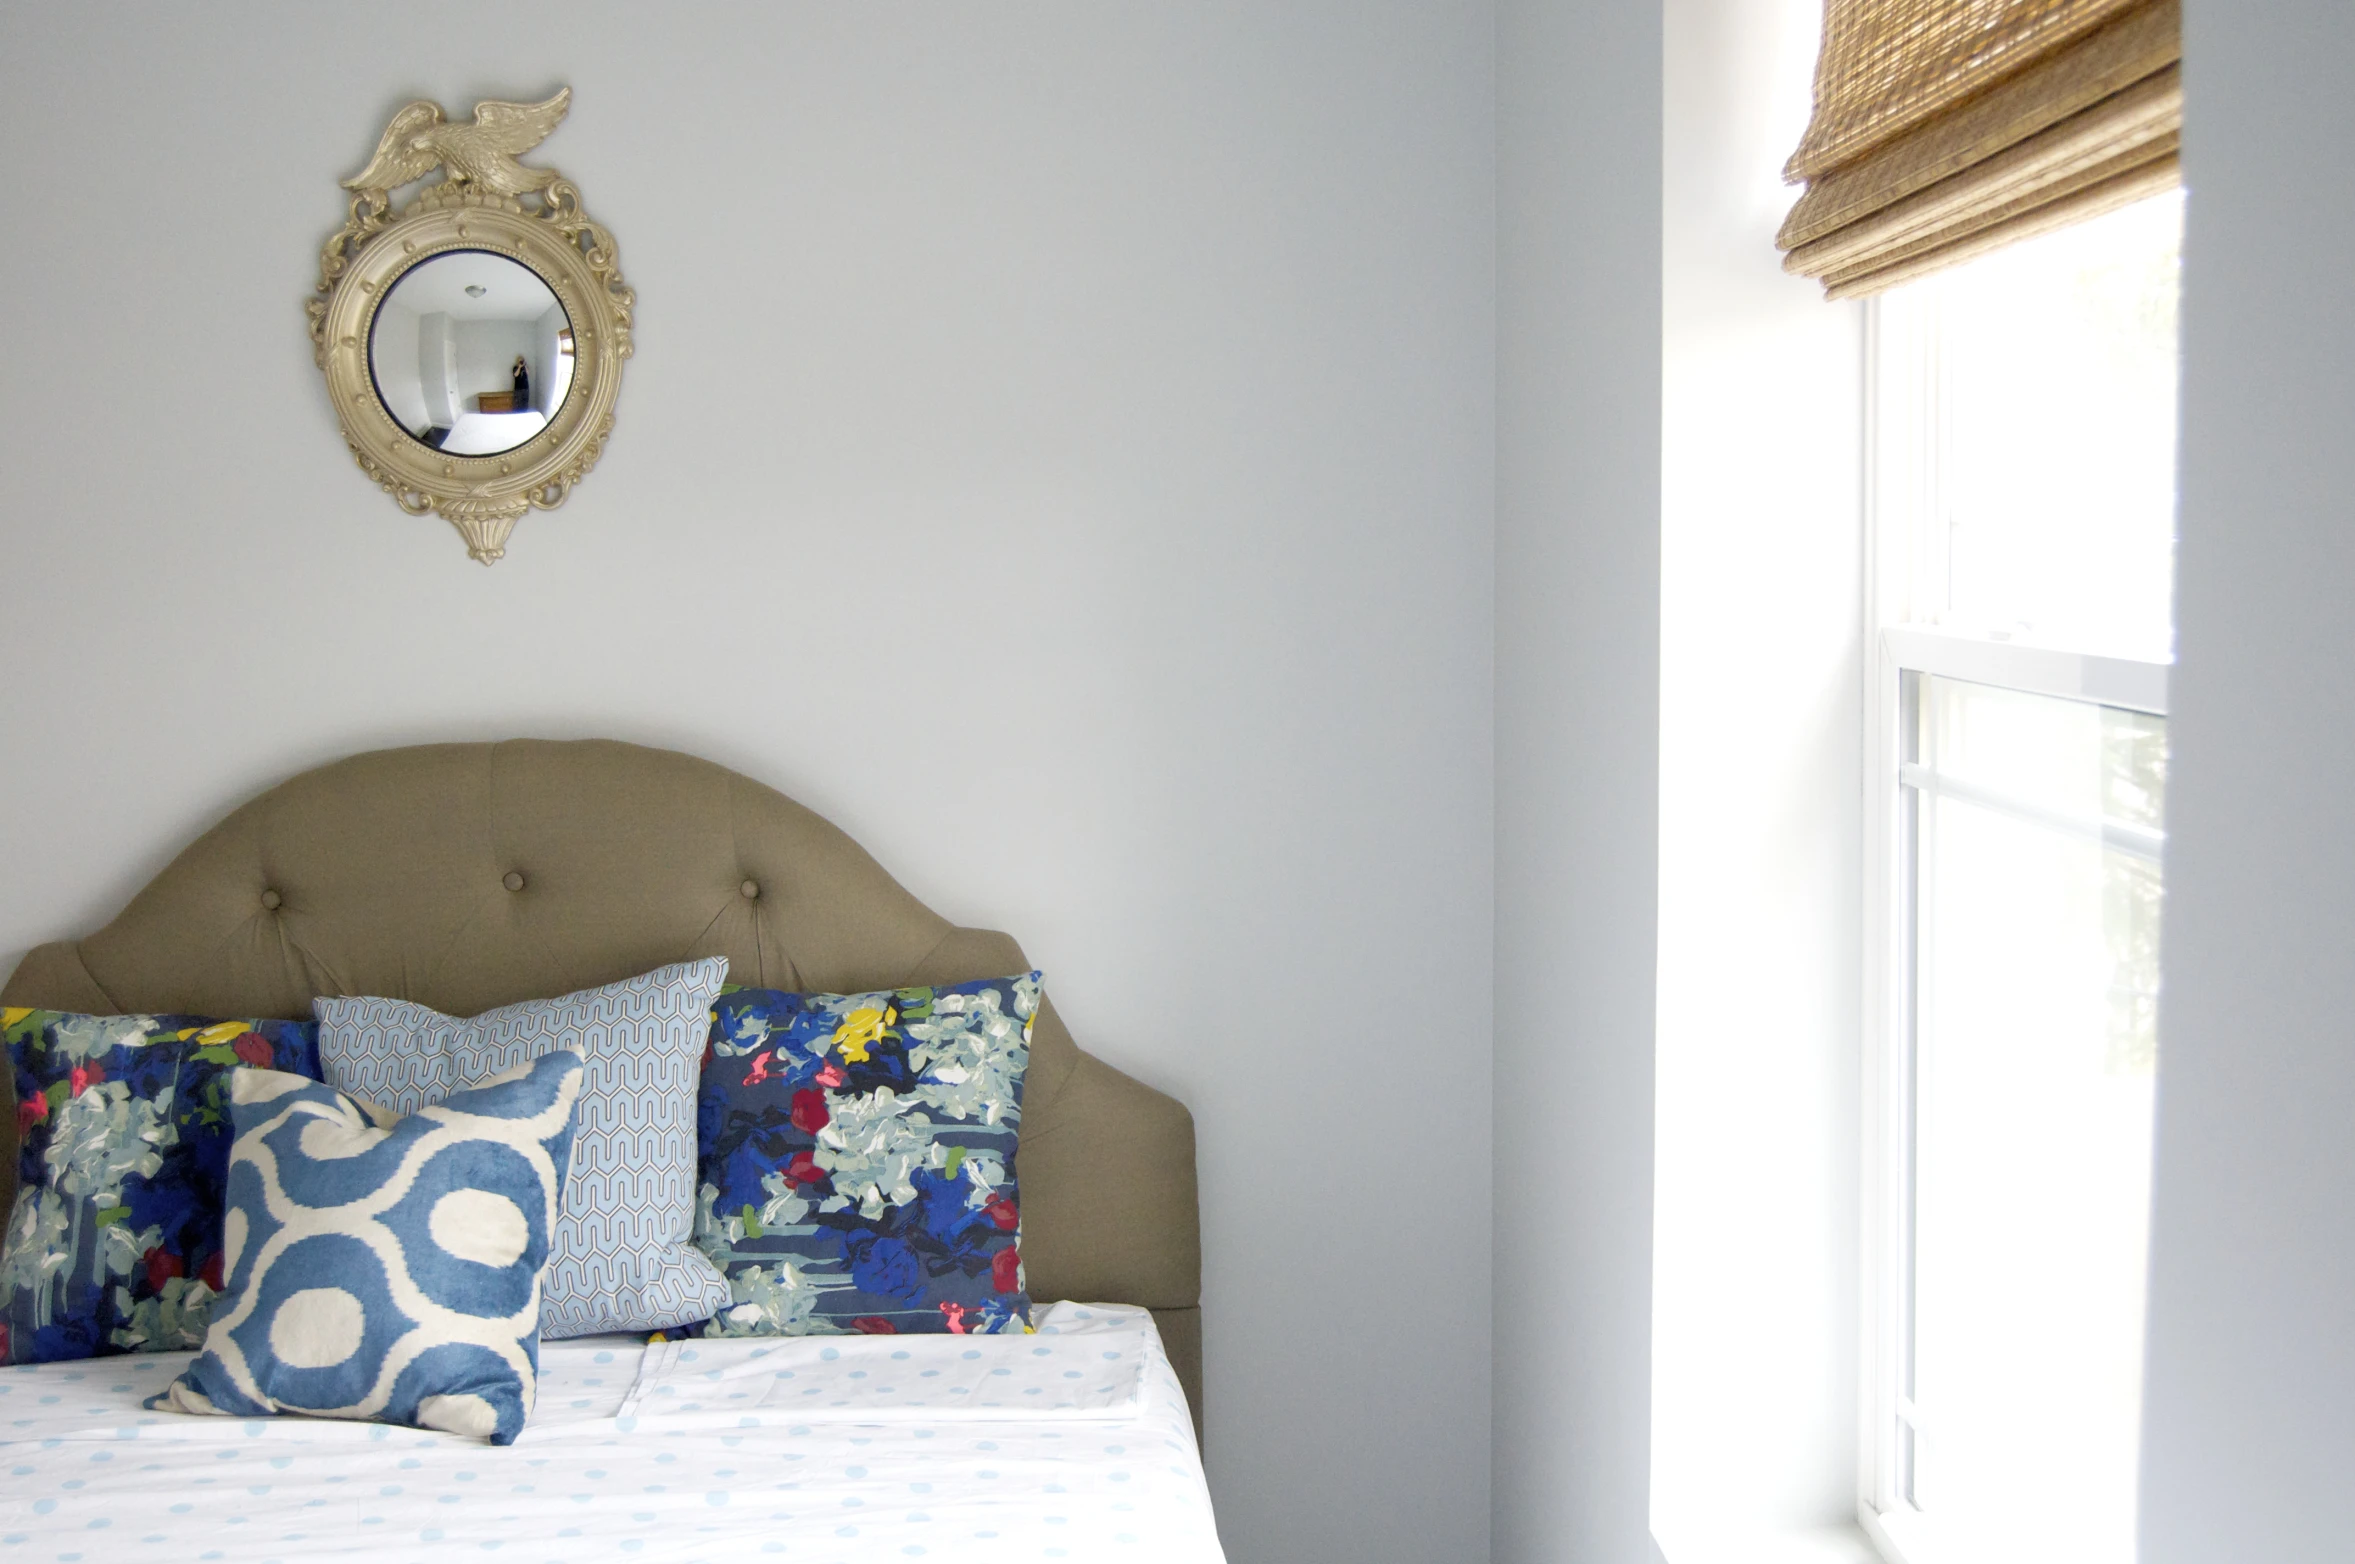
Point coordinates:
[(471, 352), (472, 344)]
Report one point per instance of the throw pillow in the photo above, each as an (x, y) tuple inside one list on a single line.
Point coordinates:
[(624, 1256), (858, 1159), (123, 1136), (386, 1269)]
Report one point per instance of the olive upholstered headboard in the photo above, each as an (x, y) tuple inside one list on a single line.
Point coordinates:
[(465, 876)]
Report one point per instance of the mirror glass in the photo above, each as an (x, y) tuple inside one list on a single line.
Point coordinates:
[(471, 352)]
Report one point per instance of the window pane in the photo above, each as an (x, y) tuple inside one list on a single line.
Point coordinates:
[(2038, 974), (2051, 468)]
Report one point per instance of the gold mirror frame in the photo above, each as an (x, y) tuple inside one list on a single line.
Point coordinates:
[(474, 206)]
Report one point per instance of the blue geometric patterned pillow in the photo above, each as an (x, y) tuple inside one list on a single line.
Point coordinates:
[(122, 1155), (624, 1256), (383, 1269), (858, 1159)]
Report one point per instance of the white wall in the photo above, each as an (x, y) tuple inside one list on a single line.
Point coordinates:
[(437, 365), (487, 351), (397, 356), (1761, 711), (1059, 450), (2247, 1434), (549, 363), (1577, 801)]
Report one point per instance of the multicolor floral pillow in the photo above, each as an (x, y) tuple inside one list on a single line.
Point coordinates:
[(123, 1158), (858, 1159)]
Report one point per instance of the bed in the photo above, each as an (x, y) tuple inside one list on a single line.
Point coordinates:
[(487, 434), (469, 876)]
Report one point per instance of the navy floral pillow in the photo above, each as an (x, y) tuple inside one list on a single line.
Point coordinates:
[(857, 1157), (123, 1136)]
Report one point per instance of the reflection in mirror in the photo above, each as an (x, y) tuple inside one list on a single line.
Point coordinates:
[(471, 352)]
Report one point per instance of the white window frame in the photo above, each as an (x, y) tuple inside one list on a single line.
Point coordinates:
[(1903, 566)]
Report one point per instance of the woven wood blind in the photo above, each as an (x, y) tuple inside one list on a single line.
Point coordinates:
[(1944, 128)]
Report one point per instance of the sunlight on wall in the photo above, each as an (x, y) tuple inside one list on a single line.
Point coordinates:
[(1754, 1301)]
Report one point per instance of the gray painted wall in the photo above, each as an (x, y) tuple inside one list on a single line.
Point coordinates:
[(1060, 450), (2248, 1436), (1577, 802)]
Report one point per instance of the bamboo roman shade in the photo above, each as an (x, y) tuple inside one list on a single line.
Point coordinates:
[(1944, 128)]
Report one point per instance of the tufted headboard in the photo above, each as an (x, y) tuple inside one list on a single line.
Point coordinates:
[(465, 876)]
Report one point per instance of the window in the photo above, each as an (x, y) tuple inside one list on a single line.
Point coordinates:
[(2022, 448)]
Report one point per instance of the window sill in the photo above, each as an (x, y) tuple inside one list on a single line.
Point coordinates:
[(1841, 1544)]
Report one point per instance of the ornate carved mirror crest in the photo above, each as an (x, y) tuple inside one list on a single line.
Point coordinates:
[(472, 344)]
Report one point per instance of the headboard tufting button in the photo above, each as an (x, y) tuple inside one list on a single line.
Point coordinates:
[(751, 890), (270, 901), (514, 880)]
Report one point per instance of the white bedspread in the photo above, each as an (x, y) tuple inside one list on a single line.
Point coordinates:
[(487, 434), (1073, 1443)]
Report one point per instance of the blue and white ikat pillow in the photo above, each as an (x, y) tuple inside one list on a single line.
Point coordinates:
[(386, 1269), (623, 1257)]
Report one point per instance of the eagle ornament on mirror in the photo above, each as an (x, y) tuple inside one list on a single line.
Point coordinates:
[(472, 343)]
